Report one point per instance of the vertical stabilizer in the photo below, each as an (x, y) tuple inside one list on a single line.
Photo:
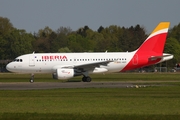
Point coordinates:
[(154, 44), (151, 50)]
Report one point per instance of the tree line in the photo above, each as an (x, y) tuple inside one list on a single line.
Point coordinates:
[(15, 42)]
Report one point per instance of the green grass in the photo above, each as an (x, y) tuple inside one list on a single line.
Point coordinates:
[(92, 103), (156, 102), (12, 77)]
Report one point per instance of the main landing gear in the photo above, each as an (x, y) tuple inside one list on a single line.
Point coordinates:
[(32, 78), (86, 79)]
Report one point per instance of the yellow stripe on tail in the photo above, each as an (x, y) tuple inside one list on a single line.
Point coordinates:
[(162, 25)]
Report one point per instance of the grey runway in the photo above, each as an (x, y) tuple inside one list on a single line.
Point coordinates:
[(56, 85)]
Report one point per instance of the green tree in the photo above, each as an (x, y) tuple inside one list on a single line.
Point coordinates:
[(5, 26), (172, 46), (82, 31), (46, 32), (60, 41), (131, 38), (124, 40), (173, 43), (111, 37), (175, 32), (76, 43), (101, 28), (64, 50), (44, 40), (19, 42), (4, 47), (64, 30), (138, 38)]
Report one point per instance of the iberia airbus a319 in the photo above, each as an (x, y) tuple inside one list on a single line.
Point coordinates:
[(68, 65)]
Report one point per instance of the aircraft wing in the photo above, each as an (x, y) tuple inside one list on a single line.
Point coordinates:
[(91, 66), (85, 67)]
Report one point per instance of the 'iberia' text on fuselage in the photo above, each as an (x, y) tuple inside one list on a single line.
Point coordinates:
[(53, 57)]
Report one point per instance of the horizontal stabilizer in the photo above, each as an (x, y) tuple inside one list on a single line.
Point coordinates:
[(163, 58)]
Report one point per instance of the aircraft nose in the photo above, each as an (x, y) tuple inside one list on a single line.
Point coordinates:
[(9, 67)]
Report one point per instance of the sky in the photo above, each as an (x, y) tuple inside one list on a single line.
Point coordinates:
[(33, 15)]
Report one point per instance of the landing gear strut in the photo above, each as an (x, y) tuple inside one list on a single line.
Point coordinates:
[(86, 79), (32, 78)]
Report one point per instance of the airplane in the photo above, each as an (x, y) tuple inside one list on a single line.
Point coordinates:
[(68, 65)]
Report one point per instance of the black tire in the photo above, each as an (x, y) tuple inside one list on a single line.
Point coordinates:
[(88, 79), (84, 79)]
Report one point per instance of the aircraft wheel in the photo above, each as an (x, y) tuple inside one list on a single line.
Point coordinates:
[(88, 79), (84, 79), (31, 81)]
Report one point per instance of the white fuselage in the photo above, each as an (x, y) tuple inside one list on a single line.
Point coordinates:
[(49, 62)]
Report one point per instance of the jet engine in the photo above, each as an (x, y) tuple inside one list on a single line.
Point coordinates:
[(63, 74)]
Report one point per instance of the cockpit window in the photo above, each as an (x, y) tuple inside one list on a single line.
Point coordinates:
[(18, 60)]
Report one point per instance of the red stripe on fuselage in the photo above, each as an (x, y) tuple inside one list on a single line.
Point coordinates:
[(154, 46)]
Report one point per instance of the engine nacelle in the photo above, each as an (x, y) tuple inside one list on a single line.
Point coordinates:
[(63, 74)]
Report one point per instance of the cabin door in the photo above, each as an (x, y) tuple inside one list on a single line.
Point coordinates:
[(31, 60)]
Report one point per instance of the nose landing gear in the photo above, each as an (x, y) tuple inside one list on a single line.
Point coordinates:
[(32, 78)]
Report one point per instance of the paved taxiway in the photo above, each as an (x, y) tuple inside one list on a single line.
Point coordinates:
[(55, 85)]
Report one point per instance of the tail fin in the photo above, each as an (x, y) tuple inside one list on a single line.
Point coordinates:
[(154, 44), (151, 51)]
